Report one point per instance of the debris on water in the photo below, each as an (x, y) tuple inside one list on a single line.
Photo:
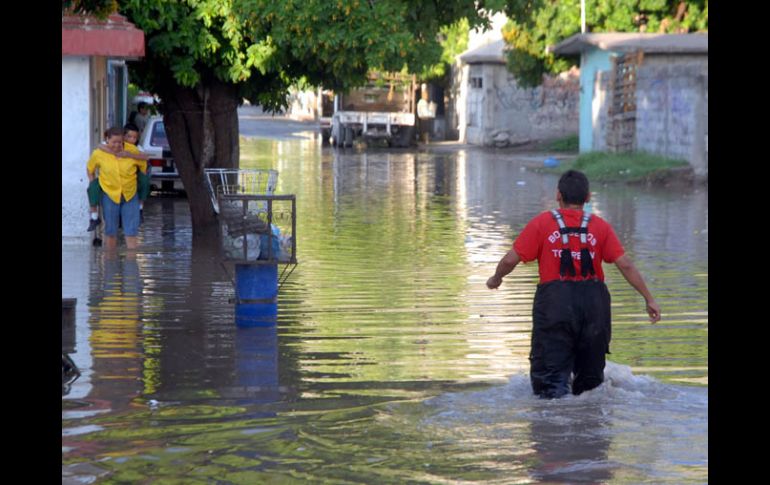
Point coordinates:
[(521, 182), (551, 162)]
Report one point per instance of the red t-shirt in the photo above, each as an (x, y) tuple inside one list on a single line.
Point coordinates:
[(541, 240)]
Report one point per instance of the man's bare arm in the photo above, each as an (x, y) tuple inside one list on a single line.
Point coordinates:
[(635, 279), (504, 267)]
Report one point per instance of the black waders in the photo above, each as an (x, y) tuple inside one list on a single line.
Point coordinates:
[(571, 324)]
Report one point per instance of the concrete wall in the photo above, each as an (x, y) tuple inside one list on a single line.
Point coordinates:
[(672, 108), (598, 125), (460, 102), (592, 61), (76, 147), (479, 116), (457, 98), (452, 108), (549, 111)]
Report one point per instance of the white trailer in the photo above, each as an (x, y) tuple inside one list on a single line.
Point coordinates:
[(383, 109)]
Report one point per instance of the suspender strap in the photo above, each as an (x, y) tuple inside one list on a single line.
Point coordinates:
[(584, 228), (562, 228), (566, 267), (586, 261)]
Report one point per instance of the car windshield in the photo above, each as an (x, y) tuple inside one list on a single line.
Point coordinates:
[(158, 136)]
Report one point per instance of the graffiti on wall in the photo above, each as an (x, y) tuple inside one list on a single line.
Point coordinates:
[(512, 97), (666, 120), (552, 107), (559, 92), (681, 101), (559, 100)]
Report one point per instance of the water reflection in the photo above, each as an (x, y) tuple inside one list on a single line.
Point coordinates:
[(69, 373), (386, 311), (69, 370), (570, 448), (116, 327), (256, 360)]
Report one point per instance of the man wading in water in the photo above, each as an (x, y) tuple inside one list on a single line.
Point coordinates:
[(571, 322)]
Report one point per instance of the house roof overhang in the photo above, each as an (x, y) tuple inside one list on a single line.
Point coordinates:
[(113, 37), (696, 43), (491, 53)]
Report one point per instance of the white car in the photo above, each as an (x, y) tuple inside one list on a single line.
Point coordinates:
[(161, 166), (144, 97)]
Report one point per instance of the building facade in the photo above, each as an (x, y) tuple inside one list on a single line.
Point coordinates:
[(662, 82), (489, 107)]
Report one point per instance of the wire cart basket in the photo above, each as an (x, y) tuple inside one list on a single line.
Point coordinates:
[(234, 181), (256, 226)]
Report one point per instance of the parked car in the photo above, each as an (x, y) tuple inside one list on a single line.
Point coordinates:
[(161, 166), (144, 97)]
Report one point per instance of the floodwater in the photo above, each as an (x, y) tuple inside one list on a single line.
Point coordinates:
[(390, 362)]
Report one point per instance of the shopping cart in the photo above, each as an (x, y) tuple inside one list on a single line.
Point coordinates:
[(257, 227), (239, 181)]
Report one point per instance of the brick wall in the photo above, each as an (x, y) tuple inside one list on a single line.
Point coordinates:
[(599, 110)]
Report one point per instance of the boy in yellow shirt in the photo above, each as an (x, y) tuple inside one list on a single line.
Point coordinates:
[(130, 138)]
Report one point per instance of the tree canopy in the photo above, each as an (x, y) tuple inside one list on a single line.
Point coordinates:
[(98, 8), (264, 46), (536, 24), (454, 41)]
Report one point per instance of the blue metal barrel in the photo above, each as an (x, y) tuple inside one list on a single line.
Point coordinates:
[(256, 287)]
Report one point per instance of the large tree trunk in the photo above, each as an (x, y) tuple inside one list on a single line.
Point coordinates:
[(202, 128)]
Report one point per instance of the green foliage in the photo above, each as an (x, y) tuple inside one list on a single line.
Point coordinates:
[(98, 8), (622, 167), (454, 41), (567, 144), (537, 24), (192, 39), (133, 90), (335, 43), (526, 67), (264, 46)]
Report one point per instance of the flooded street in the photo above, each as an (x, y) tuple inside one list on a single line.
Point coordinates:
[(391, 361)]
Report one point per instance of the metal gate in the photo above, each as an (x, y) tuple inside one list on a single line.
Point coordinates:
[(621, 109)]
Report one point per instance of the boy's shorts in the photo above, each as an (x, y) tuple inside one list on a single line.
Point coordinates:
[(142, 185), (94, 191)]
